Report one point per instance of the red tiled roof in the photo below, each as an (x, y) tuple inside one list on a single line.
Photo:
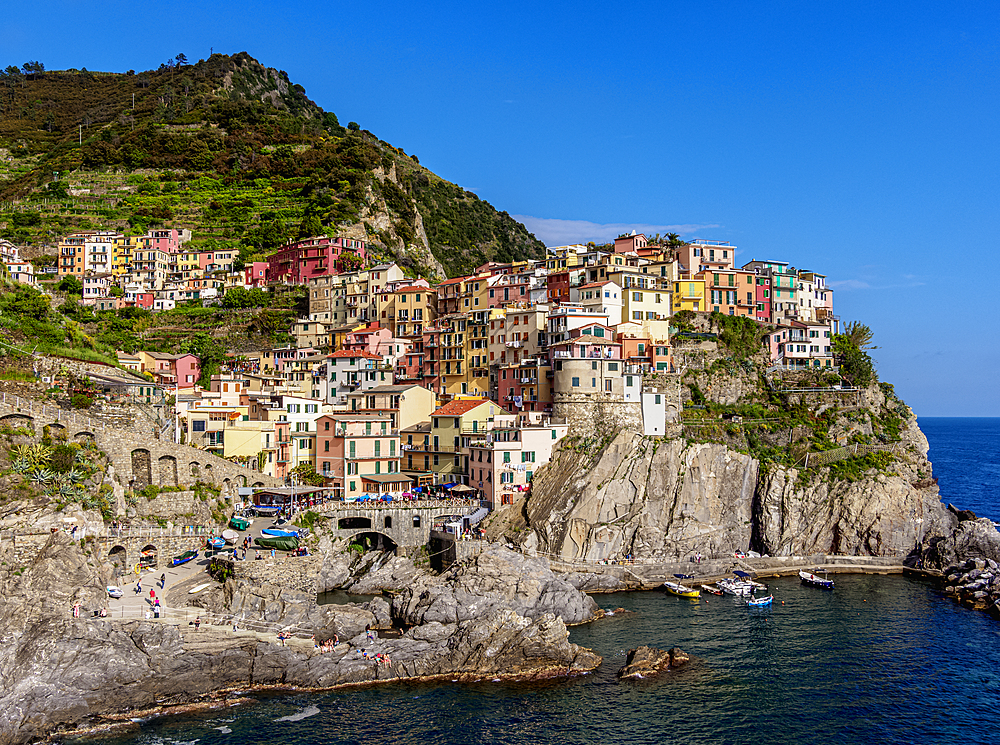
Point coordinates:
[(454, 280), (348, 353), (597, 284), (461, 406), (413, 289)]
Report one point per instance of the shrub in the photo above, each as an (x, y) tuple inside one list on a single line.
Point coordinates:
[(81, 401)]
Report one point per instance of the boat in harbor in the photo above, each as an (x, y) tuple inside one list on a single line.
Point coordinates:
[(680, 590), (735, 586), (764, 602), (711, 589), (814, 580)]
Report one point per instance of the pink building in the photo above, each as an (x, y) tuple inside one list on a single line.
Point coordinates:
[(368, 339), (167, 240), (299, 261), (633, 242), (255, 274), (187, 369)]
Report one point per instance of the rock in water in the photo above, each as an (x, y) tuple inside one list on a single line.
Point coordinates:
[(646, 662)]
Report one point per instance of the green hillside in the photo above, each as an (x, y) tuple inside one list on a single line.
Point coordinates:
[(232, 150)]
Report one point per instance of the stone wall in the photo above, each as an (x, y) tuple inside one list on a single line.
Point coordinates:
[(294, 572), (408, 524), (136, 458), (590, 414)]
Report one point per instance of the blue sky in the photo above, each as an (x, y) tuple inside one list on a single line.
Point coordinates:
[(858, 139)]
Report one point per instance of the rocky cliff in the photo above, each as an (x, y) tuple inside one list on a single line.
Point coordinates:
[(670, 498), (61, 673)]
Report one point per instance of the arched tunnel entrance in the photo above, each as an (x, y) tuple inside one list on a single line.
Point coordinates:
[(373, 541)]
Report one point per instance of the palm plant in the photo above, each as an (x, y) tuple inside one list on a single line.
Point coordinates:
[(20, 466), (859, 334), (76, 476)]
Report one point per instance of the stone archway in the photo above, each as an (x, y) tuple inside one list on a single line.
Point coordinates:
[(374, 540), (18, 420), (119, 557), (195, 469), (356, 521), (167, 470), (148, 556), (258, 484), (85, 436), (142, 469)]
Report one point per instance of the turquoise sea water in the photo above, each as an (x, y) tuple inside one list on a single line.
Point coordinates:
[(878, 660)]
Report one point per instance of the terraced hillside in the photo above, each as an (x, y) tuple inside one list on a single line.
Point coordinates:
[(233, 151)]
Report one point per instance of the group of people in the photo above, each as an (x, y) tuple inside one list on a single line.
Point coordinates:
[(379, 657), (326, 646)]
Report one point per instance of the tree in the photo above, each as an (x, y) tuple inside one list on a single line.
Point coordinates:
[(674, 239), (859, 334), (855, 364), (354, 126), (181, 59), (71, 285)]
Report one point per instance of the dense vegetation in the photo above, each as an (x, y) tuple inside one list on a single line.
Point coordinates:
[(230, 149)]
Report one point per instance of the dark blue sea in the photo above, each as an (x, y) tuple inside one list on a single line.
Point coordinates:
[(879, 660)]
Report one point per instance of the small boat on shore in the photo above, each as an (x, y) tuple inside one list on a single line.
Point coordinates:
[(711, 589), (276, 533), (184, 558), (680, 590), (280, 542), (764, 602), (814, 580), (238, 523), (230, 536)]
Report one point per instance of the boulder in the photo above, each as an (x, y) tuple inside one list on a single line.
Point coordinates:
[(646, 662)]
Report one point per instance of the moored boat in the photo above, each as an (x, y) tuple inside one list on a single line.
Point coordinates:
[(711, 589), (184, 558), (814, 580), (760, 602), (732, 586), (680, 590)]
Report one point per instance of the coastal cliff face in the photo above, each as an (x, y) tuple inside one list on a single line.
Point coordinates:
[(667, 499), (61, 673)]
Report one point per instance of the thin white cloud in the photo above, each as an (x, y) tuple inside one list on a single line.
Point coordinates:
[(555, 232)]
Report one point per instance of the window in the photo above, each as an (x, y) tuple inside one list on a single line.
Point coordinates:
[(613, 367), (326, 426), (303, 444), (593, 365), (656, 399), (326, 446), (628, 381), (593, 382), (198, 425), (416, 521), (576, 384), (607, 386), (553, 434), (506, 456)]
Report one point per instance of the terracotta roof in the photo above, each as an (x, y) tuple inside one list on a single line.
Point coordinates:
[(454, 280), (597, 284), (461, 406), (413, 289), (348, 353)]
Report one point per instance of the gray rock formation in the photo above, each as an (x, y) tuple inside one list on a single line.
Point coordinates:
[(494, 580), (667, 500), (647, 662), (59, 672)]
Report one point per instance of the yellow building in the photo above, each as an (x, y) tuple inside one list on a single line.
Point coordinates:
[(442, 448), (689, 294)]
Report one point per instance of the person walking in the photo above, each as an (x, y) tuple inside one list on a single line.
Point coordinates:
[(197, 623), (163, 580), (138, 586), (152, 595)]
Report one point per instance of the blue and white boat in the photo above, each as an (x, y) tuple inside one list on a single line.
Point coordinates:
[(814, 580), (217, 543), (279, 533), (764, 602)]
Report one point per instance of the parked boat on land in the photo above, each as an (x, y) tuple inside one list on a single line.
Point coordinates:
[(217, 543), (276, 533), (680, 590), (230, 536), (280, 542), (184, 558), (814, 580), (239, 523)]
